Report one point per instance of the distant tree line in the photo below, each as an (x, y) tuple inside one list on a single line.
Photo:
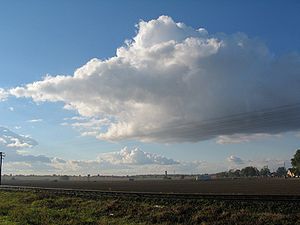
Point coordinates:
[(251, 171), (296, 163)]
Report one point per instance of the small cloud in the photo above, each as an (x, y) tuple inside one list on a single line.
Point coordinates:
[(10, 140), (69, 107), (235, 160), (80, 118), (23, 151), (11, 109), (86, 126), (2, 141), (35, 121), (3, 94), (16, 143)]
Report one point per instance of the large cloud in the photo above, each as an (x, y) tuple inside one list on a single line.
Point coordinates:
[(174, 83)]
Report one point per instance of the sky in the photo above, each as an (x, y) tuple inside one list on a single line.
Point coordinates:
[(139, 87)]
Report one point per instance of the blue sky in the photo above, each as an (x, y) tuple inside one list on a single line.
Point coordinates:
[(40, 38)]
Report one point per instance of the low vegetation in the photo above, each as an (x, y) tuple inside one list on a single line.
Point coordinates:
[(251, 171), (22, 208)]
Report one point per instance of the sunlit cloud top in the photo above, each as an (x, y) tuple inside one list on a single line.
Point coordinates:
[(175, 83)]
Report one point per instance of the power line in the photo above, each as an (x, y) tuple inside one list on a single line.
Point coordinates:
[(275, 120)]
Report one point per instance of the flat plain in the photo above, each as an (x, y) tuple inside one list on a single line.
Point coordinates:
[(45, 207), (251, 186)]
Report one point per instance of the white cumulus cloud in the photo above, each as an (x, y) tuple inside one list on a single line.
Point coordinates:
[(175, 83), (135, 157)]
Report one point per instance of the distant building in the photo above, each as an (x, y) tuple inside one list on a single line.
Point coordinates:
[(203, 177), (291, 173), (166, 176)]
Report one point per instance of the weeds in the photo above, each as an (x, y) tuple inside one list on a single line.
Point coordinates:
[(28, 208)]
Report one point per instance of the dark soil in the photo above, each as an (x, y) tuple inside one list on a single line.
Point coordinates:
[(218, 186)]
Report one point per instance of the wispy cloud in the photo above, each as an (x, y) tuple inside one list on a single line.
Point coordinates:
[(35, 120), (243, 138)]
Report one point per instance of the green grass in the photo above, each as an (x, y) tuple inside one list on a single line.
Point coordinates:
[(22, 208)]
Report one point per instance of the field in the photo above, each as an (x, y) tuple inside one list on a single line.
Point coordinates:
[(42, 207), (218, 186)]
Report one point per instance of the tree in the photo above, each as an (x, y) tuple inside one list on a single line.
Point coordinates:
[(249, 171), (233, 173), (265, 171), (281, 171), (296, 162), (222, 174), (237, 173)]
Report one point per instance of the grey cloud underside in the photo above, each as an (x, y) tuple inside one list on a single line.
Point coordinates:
[(174, 83), (272, 121), (14, 156)]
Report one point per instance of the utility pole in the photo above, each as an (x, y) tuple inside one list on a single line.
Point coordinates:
[(2, 155)]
